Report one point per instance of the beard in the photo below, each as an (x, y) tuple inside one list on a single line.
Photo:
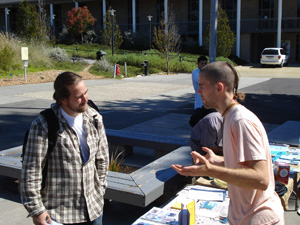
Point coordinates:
[(78, 109)]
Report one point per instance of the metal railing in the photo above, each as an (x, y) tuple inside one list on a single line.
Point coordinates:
[(260, 25)]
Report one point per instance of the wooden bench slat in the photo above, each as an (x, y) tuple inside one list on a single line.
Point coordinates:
[(156, 177), (132, 198), (120, 175), (118, 181), (157, 142)]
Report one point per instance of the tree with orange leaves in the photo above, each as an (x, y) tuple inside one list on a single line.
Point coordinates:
[(79, 21)]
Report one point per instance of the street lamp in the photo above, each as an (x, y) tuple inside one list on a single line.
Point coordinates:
[(112, 13), (149, 19), (6, 19), (53, 25)]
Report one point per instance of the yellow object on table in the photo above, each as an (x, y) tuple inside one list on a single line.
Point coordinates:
[(211, 183)]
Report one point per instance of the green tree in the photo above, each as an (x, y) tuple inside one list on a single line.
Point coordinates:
[(166, 37), (225, 37), (27, 21), (106, 34), (80, 21), (44, 31)]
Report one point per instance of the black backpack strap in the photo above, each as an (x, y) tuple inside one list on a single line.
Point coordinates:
[(24, 144), (93, 105), (53, 128)]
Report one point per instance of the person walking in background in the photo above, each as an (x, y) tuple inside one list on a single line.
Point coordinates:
[(77, 166), (201, 62), (200, 111), (247, 164)]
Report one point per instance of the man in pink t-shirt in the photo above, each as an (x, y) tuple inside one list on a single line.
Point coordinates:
[(247, 164)]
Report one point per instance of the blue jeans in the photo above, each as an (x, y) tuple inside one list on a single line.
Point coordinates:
[(98, 221)]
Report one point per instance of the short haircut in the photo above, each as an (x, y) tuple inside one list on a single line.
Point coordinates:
[(61, 83), (223, 72), (202, 58)]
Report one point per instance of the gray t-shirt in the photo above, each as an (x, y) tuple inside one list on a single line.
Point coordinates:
[(207, 132)]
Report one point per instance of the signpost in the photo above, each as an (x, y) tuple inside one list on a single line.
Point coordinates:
[(24, 56)]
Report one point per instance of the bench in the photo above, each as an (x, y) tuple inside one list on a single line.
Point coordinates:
[(287, 133), (139, 188), (129, 139)]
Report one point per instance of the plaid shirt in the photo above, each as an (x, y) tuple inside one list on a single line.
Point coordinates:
[(73, 191)]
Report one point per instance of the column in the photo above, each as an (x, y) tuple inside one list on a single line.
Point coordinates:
[(104, 13), (279, 23), (213, 30), (133, 17), (6, 19), (51, 15), (238, 28), (200, 21)]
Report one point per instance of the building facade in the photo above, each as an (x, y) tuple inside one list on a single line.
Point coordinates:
[(257, 24)]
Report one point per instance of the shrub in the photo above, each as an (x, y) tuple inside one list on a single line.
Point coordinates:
[(181, 67), (27, 21), (90, 37), (38, 54), (104, 65), (221, 58), (58, 54), (6, 56), (225, 37)]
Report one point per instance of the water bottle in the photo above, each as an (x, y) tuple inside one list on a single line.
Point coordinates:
[(184, 216), (224, 214)]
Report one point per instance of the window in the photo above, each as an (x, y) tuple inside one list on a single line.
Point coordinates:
[(298, 8), (266, 9), (270, 52), (160, 9), (137, 17), (193, 15), (57, 19), (266, 13), (230, 8)]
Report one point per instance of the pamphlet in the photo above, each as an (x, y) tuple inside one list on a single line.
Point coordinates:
[(207, 195), (54, 223), (159, 216), (209, 205)]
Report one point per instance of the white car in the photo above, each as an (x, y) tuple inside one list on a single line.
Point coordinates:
[(274, 56)]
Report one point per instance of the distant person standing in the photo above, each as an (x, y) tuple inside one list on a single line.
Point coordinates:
[(202, 61), (200, 111)]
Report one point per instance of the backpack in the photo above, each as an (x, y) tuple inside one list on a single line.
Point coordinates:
[(53, 128)]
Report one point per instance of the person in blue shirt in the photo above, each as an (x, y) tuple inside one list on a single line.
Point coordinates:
[(200, 111)]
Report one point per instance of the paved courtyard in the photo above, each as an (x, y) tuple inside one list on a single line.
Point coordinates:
[(157, 104)]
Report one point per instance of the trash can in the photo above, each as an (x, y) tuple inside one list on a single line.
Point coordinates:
[(146, 67), (100, 54)]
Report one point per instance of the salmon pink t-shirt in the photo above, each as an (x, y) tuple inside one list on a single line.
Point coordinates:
[(245, 139)]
